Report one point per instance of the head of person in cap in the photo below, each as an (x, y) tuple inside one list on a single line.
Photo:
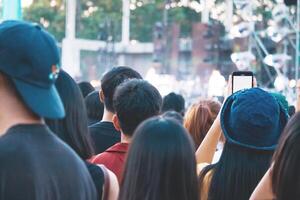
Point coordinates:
[(29, 66), (252, 121), (29, 58)]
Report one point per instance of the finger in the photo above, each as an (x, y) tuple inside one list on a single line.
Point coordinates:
[(229, 86), (254, 82)]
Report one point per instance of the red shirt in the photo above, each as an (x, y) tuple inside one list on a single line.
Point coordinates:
[(113, 158)]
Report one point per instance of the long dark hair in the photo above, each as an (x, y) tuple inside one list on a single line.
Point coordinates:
[(237, 173), (73, 129), (160, 164), (285, 172)]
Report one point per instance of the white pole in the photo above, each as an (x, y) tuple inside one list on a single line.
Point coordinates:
[(126, 22), (11, 9), (70, 52), (205, 13), (71, 19), (229, 15)]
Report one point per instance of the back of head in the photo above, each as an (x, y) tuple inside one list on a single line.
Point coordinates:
[(292, 110), (173, 102), (160, 164), (73, 129), (198, 121), (252, 121), (112, 79), (33, 72), (173, 115), (135, 101), (281, 99), (285, 172), (94, 106), (85, 88), (214, 106)]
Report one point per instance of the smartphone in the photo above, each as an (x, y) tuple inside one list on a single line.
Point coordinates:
[(242, 80)]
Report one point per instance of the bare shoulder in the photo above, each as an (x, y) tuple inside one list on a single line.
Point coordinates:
[(114, 186)]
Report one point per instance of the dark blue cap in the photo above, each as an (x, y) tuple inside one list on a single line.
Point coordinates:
[(253, 119), (30, 57)]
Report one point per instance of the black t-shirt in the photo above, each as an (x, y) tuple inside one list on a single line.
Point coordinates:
[(92, 121), (104, 135), (36, 165), (97, 176)]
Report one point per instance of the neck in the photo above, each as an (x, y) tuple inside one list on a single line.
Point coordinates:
[(107, 116), (14, 112), (7, 123), (125, 139)]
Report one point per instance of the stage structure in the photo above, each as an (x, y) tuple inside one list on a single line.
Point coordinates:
[(283, 32)]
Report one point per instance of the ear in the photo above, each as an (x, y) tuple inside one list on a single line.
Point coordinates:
[(101, 96), (116, 122)]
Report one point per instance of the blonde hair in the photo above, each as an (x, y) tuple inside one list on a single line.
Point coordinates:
[(199, 118)]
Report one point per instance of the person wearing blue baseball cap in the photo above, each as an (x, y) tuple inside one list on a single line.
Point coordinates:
[(34, 163), (252, 121)]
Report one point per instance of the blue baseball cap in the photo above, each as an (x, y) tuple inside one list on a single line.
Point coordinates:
[(30, 58), (253, 119)]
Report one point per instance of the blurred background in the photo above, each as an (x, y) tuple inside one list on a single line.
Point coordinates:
[(186, 46)]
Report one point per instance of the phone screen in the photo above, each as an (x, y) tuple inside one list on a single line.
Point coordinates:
[(242, 82)]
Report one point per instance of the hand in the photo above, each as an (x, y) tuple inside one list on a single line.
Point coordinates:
[(228, 91), (254, 82)]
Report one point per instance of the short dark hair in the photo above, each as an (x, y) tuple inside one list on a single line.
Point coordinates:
[(73, 128), (94, 106), (134, 101), (173, 102), (292, 110), (173, 115), (85, 88), (112, 79), (161, 160)]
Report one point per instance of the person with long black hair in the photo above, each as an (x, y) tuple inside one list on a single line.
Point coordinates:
[(282, 180), (73, 129), (252, 121), (161, 163)]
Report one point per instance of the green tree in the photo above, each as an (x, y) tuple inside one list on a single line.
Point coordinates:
[(99, 18), (92, 17), (105, 19), (52, 18), (144, 18)]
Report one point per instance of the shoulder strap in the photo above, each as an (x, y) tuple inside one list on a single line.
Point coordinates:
[(106, 185)]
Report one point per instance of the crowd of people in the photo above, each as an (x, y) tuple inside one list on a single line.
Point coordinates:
[(62, 140)]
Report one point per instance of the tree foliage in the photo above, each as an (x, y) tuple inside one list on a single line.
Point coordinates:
[(52, 18), (99, 19)]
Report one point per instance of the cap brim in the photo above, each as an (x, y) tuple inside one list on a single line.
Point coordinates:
[(45, 102)]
